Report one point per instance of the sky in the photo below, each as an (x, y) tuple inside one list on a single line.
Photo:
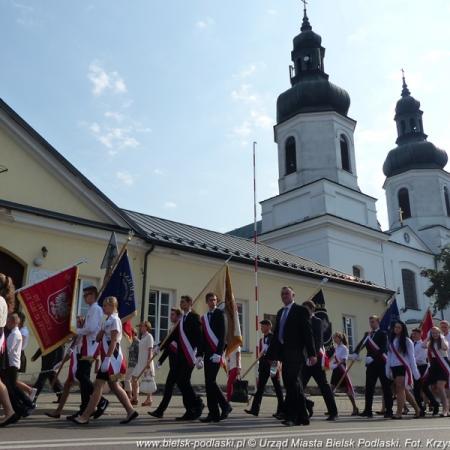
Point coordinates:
[(158, 102)]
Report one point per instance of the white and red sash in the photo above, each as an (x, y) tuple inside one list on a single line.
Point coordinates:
[(433, 353), (340, 366), (117, 362), (88, 349), (189, 352), (173, 347), (324, 358), (2, 342), (374, 347), (212, 339), (409, 379), (73, 364)]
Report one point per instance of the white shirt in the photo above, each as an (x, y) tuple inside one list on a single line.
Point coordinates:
[(14, 347), (341, 354), (25, 337), (92, 322), (420, 353), (3, 312), (441, 351), (113, 323), (409, 358)]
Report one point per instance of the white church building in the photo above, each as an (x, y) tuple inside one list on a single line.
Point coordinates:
[(321, 213)]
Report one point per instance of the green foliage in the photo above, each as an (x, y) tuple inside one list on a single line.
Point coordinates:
[(440, 280)]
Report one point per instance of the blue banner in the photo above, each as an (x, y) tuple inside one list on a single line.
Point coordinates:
[(391, 315), (121, 286)]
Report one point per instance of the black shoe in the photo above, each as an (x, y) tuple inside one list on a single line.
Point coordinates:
[(305, 422), (252, 413), (10, 420), (310, 407), (288, 423), (78, 413), (226, 412), (369, 415), (156, 413), (279, 416), (131, 417), (331, 418), (101, 408), (379, 413), (388, 415), (209, 419), (435, 410)]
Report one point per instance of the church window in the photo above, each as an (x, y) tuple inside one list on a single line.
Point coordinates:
[(403, 203), (409, 289), (413, 126), (345, 154), (290, 155), (447, 200), (357, 271)]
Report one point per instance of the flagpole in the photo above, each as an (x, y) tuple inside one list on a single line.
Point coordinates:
[(82, 261), (255, 240)]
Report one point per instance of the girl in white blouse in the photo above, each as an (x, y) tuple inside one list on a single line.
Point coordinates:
[(112, 367), (339, 364), (401, 367)]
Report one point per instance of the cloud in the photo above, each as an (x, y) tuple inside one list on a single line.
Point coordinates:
[(243, 131), (205, 23), (114, 138), (125, 177), (114, 115), (26, 14), (243, 94), (261, 119), (170, 205), (246, 72), (105, 81)]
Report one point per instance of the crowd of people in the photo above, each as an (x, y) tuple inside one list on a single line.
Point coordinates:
[(408, 368)]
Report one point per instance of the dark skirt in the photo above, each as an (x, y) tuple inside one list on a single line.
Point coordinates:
[(398, 371), (23, 362), (436, 372)]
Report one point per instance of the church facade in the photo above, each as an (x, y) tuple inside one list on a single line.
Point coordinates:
[(321, 213)]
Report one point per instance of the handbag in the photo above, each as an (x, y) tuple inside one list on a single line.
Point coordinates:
[(148, 385), (240, 391)]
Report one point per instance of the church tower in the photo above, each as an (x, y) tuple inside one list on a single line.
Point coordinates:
[(417, 187)]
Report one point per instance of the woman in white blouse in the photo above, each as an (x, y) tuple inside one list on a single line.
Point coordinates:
[(401, 367), (6, 291)]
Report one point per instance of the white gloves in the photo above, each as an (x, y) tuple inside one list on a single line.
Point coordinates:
[(265, 347), (199, 362), (158, 365), (369, 360), (156, 349), (354, 357), (215, 358), (105, 364)]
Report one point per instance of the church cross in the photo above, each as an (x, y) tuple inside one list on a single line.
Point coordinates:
[(304, 4)]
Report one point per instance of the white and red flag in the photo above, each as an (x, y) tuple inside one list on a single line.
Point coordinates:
[(49, 305)]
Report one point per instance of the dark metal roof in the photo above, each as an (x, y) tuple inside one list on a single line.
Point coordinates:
[(189, 238)]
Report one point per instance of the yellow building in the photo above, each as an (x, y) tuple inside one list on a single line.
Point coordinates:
[(51, 216)]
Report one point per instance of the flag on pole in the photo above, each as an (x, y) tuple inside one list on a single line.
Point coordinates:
[(121, 286), (426, 325), (221, 285), (327, 330), (50, 307), (111, 253), (390, 315)]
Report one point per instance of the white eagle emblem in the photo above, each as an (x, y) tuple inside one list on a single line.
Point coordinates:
[(58, 305)]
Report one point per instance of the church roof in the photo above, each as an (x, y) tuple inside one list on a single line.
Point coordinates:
[(190, 238)]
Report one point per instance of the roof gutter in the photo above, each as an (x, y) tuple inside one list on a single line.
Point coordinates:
[(144, 280)]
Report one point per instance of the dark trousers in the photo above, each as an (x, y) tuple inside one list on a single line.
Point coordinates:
[(214, 396), (374, 372), (191, 400), (294, 402), (168, 389), (83, 375), (420, 386), (320, 378), (263, 378), (19, 400), (54, 382)]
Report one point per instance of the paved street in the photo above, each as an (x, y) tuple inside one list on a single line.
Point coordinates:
[(240, 431)]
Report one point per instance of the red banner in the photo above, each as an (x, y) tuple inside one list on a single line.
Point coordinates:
[(49, 305), (427, 325)]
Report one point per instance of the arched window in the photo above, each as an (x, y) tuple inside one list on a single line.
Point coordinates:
[(357, 271), (345, 154), (290, 155), (447, 200), (409, 289), (403, 203), (403, 126), (413, 125)]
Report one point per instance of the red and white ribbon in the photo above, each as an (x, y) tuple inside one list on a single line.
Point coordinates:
[(186, 346), (212, 339), (409, 379)]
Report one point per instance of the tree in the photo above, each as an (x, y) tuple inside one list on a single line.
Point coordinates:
[(440, 280)]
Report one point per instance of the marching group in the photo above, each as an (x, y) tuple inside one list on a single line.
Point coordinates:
[(293, 352)]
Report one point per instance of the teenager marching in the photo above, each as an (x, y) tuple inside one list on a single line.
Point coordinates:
[(113, 365), (401, 367), (339, 365), (213, 345)]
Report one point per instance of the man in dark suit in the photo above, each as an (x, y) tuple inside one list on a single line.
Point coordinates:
[(213, 346), (188, 336), (376, 344), (317, 371), (292, 337), (169, 351), (264, 374)]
